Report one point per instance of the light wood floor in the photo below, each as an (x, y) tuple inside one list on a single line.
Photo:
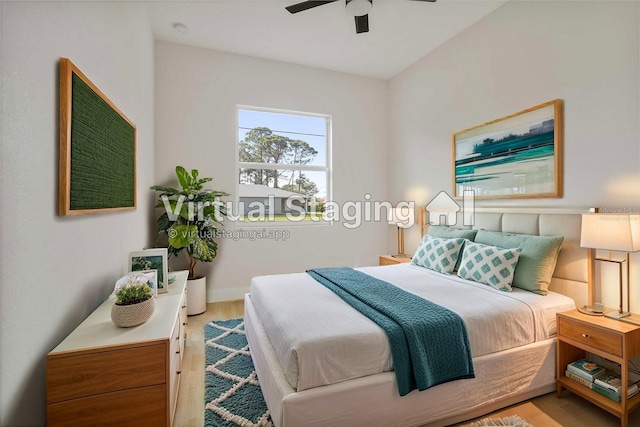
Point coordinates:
[(543, 411)]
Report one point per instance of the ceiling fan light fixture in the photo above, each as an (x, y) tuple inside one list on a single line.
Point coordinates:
[(359, 7)]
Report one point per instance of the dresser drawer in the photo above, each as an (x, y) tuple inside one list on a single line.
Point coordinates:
[(176, 339), (183, 321), (135, 407), (591, 335), (73, 376), (174, 383)]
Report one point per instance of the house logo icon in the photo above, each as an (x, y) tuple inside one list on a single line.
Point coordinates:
[(443, 210)]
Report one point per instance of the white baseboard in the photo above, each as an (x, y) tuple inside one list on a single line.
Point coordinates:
[(226, 294)]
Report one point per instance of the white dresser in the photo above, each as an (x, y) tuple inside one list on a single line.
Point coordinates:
[(105, 375)]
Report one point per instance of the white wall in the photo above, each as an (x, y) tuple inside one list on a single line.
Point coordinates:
[(197, 91), (521, 55), (56, 270)]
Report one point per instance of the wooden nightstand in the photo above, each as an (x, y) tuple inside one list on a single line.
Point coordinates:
[(390, 260), (612, 339)]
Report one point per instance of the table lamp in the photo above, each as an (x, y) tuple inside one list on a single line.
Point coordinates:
[(612, 232), (401, 217)]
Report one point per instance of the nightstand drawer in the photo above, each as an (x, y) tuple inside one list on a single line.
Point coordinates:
[(591, 336)]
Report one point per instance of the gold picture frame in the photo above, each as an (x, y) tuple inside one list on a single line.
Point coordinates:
[(516, 156)]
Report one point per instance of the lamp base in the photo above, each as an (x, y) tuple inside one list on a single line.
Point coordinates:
[(617, 315), (400, 256)]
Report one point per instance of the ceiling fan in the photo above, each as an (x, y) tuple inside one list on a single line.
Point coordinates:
[(359, 9)]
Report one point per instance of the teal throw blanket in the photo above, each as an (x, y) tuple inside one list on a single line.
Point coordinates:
[(428, 342)]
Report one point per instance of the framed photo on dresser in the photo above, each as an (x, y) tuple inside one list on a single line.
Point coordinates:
[(152, 259)]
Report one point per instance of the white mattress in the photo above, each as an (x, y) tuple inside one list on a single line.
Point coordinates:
[(319, 339)]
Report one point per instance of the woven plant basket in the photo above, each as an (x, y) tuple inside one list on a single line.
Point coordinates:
[(127, 316)]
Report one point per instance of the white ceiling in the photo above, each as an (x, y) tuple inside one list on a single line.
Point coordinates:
[(400, 31)]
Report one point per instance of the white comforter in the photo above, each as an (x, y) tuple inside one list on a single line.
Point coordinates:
[(319, 339)]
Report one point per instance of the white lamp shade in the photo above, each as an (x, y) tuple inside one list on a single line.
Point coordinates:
[(614, 232), (402, 216), (359, 7)]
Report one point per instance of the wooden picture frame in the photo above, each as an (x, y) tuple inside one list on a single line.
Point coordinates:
[(97, 149), (152, 259), (516, 156)]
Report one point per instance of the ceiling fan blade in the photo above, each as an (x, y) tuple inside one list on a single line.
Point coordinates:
[(362, 24), (299, 7)]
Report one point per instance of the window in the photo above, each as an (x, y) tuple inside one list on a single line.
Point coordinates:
[(283, 165)]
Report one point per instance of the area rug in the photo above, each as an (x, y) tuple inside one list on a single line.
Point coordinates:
[(231, 390), (512, 421)]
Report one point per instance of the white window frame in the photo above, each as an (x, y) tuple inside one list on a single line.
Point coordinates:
[(282, 166)]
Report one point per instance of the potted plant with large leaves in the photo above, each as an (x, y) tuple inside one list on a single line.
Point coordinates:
[(191, 221)]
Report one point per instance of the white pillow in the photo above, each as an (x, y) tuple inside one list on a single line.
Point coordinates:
[(490, 265), (438, 254)]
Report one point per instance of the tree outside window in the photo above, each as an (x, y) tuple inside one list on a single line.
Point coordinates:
[(282, 156)]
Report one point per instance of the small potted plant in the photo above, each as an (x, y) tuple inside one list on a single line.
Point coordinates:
[(191, 218), (134, 302)]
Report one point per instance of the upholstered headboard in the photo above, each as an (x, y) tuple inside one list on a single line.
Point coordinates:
[(572, 275)]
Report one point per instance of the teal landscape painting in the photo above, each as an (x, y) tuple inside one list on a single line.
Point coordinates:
[(512, 157)]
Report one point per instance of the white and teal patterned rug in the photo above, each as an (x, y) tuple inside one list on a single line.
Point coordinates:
[(231, 390), (510, 421)]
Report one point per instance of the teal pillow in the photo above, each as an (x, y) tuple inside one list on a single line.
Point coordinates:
[(537, 259), (490, 265), (451, 233), (438, 254)]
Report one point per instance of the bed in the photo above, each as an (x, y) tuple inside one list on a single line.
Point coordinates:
[(321, 363)]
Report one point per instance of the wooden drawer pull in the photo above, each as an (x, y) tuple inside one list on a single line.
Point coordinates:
[(585, 335)]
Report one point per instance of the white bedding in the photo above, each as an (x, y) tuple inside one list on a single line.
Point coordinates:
[(319, 339)]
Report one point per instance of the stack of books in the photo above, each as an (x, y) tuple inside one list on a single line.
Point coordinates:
[(594, 376), (610, 385), (584, 370)]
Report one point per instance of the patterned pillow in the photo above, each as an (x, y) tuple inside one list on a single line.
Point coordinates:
[(451, 233), (490, 265), (438, 254), (537, 259)]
